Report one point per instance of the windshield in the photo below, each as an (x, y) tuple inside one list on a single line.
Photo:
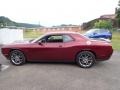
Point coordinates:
[(35, 40), (91, 31)]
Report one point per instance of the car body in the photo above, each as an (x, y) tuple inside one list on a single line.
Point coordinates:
[(99, 33), (59, 47)]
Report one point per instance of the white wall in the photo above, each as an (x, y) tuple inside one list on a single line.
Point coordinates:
[(8, 36)]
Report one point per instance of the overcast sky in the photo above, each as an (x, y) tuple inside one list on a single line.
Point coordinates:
[(56, 12)]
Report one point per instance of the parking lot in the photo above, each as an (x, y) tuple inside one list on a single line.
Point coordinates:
[(61, 76)]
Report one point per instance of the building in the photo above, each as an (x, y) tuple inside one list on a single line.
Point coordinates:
[(107, 17), (74, 28)]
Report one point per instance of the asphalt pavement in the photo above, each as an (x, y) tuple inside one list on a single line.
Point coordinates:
[(61, 76)]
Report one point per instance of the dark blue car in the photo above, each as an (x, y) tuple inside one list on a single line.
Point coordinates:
[(99, 33)]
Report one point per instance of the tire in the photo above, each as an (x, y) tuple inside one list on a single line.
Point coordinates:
[(17, 58), (85, 59), (110, 38)]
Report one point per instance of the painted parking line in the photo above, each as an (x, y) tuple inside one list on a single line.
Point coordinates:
[(3, 67)]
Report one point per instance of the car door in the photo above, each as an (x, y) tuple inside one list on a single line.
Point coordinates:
[(49, 50), (69, 48)]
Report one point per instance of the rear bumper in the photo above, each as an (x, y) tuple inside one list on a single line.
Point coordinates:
[(106, 56)]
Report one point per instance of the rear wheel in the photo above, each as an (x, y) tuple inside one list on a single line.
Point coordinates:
[(110, 38), (17, 57), (85, 59)]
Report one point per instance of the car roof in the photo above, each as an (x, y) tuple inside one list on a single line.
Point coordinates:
[(62, 32), (98, 29)]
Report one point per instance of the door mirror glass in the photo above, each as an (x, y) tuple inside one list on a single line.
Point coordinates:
[(41, 41)]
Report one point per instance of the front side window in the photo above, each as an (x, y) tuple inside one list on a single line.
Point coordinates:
[(54, 38)]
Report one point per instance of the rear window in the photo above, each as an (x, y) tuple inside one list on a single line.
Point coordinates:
[(67, 38), (103, 30)]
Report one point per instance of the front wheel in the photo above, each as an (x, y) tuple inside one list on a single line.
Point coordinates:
[(17, 57), (85, 59)]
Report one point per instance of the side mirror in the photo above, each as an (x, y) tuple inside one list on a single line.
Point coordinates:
[(41, 42)]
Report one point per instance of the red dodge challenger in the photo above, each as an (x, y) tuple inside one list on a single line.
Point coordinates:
[(59, 47)]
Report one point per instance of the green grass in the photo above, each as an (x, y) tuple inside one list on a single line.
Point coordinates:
[(31, 34), (115, 39)]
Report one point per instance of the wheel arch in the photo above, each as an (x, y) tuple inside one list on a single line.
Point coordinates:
[(86, 50), (12, 49)]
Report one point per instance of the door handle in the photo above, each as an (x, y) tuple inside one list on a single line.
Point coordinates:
[(60, 45)]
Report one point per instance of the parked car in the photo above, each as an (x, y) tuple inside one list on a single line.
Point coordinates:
[(99, 33), (118, 30), (59, 47)]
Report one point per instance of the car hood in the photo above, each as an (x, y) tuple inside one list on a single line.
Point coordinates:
[(17, 44)]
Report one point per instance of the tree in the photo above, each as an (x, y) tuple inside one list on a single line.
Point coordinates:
[(118, 14), (103, 24)]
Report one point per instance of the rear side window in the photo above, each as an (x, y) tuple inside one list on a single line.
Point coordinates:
[(67, 38), (104, 31)]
